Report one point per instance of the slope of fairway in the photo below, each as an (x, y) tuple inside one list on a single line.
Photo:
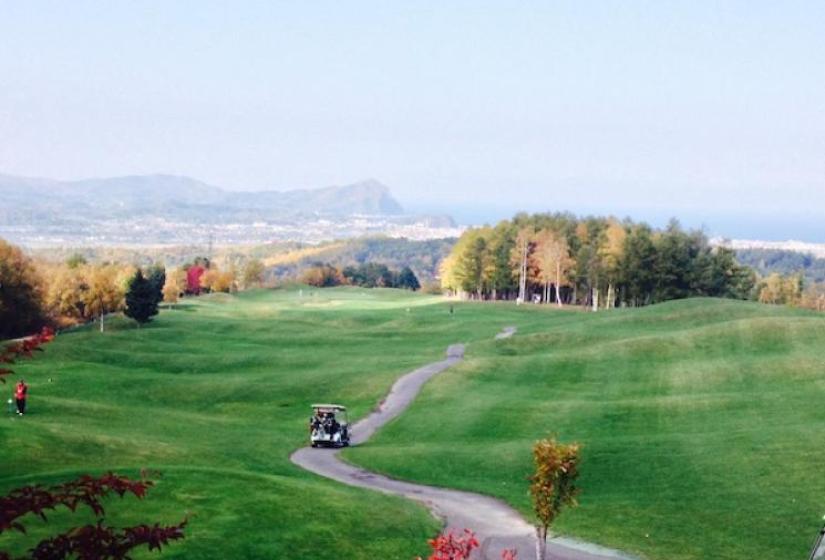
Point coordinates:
[(702, 424), (216, 394)]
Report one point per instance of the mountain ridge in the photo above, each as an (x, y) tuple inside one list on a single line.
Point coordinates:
[(179, 197)]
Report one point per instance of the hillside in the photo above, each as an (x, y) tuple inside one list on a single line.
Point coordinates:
[(785, 262), (423, 257), (283, 260), (173, 197), (216, 395), (700, 421)]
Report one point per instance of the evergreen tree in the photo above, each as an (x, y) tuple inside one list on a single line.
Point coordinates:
[(637, 264), (407, 279), (502, 280), (141, 299), (157, 279)]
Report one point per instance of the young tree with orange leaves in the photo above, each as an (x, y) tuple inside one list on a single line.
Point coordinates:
[(553, 485)]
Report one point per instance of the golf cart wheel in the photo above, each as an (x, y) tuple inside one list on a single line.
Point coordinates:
[(314, 444)]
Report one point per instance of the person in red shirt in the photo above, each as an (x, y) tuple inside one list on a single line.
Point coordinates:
[(21, 391)]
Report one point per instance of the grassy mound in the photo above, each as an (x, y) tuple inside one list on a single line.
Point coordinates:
[(702, 425)]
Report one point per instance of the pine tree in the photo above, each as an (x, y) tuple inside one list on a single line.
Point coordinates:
[(141, 299), (157, 279), (407, 279)]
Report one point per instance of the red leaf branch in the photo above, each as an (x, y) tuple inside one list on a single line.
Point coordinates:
[(86, 490), (23, 349)]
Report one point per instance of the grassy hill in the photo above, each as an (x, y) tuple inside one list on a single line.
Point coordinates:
[(702, 420), (702, 424), (216, 394)]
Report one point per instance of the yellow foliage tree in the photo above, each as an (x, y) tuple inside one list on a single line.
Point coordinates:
[(253, 274), (105, 292), (612, 252), (174, 286), (66, 294), (215, 280), (552, 255)]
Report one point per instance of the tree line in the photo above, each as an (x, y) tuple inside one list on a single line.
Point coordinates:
[(366, 275), (35, 293), (596, 262)]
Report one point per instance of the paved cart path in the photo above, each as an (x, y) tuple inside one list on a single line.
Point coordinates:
[(496, 524)]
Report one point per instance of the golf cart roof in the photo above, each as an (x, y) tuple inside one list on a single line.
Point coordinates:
[(336, 407)]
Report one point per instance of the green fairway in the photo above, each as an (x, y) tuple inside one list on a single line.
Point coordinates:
[(216, 394), (702, 424), (701, 420)]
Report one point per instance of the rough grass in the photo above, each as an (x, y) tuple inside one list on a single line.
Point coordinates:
[(702, 424)]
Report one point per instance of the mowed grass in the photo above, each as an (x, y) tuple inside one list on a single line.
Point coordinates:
[(215, 395), (702, 422)]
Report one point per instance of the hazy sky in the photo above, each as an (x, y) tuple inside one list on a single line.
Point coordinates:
[(713, 111)]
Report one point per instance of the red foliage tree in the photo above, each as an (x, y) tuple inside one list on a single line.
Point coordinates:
[(90, 542), (459, 547), (453, 547), (193, 279), (23, 349)]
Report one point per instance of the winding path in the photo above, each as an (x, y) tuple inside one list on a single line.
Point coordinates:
[(496, 524)]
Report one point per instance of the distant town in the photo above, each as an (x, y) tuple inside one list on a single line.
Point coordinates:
[(160, 231)]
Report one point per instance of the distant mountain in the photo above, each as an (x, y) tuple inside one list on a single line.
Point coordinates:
[(30, 201)]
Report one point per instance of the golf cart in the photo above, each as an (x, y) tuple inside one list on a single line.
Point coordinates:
[(329, 426)]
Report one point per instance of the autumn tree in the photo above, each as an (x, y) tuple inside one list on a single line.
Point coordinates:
[(612, 251), (322, 276), (253, 274), (554, 262), (174, 286), (66, 296), (447, 274), (553, 485), (473, 264), (21, 293), (813, 297), (104, 294), (519, 257), (778, 289), (215, 280), (194, 273)]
